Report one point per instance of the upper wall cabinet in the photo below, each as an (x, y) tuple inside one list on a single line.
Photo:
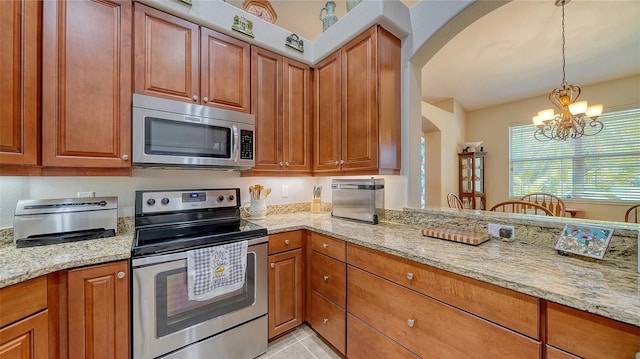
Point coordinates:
[(86, 89), (357, 107), (20, 82), (179, 60), (281, 95)]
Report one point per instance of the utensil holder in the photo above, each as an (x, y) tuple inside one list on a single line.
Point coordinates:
[(316, 205)]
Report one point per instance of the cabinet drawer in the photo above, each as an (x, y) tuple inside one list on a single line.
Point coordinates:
[(28, 338), (430, 328), (553, 353), (281, 242), (333, 247), (328, 277), (365, 342), (23, 299), (329, 321), (516, 311), (570, 329)]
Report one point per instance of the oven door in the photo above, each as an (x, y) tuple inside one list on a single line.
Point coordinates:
[(165, 320)]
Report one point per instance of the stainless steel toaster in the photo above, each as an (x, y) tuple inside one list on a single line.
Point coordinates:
[(49, 221), (358, 199)]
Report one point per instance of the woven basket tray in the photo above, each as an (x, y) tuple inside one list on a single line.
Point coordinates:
[(456, 235)]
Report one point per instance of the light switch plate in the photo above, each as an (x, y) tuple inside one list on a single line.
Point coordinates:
[(285, 191), (86, 194)]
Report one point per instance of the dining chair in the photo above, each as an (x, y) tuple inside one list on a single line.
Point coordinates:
[(524, 207), (547, 200), (454, 201), (632, 214)]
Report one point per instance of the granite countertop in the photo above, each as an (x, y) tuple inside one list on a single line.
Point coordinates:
[(540, 272)]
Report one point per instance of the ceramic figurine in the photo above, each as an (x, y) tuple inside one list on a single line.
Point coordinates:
[(330, 17)]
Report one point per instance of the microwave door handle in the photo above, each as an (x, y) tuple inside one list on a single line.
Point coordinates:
[(235, 144)]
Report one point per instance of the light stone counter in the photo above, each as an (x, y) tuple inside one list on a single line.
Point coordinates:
[(612, 291)]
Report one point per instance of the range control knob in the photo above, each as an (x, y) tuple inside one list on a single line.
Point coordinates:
[(231, 197), (220, 198), (165, 200), (151, 201)]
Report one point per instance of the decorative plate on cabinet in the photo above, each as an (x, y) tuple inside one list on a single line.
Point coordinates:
[(261, 9)]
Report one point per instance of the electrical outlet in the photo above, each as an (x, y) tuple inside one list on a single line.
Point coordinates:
[(86, 194), (507, 231), (285, 191)]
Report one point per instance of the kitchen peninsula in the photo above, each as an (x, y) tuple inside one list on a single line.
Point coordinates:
[(609, 288)]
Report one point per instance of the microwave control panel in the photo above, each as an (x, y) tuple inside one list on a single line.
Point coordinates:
[(246, 145)]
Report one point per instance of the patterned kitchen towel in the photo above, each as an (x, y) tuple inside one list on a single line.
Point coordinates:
[(214, 271)]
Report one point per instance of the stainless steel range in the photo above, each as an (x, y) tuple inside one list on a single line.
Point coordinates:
[(166, 323)]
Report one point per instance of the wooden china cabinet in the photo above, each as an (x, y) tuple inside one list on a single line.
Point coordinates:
[(471, 180)]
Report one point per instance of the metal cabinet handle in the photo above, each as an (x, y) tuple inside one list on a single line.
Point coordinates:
[(411, 322), (120, 275), (325, 320), (325, 245), (286, 163), (281, 164), (337, 163), (286, 242), (409, 276), (273, 265), (195, 97), (341, 162), (205, 99), (325, 278), (125, 157)]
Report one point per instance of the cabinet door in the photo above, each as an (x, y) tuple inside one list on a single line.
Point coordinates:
[(26, 339), (86, 84), (285, 291), (296, 116), (266, 105), (20, 28), (98, 310), (328, 104), (360, 102), (225, 71), (166, 55)]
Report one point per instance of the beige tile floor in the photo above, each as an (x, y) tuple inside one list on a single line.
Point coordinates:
[(301, 343)]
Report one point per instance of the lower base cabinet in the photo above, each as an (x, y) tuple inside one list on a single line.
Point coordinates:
[(364, 342), (27, 338), (285, 291), (98, 311), (329, 321)]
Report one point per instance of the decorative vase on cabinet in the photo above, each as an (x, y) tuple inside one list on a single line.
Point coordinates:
[(471, 180), (330, 17)]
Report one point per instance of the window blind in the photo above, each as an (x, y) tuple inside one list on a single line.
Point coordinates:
[(602, 167)]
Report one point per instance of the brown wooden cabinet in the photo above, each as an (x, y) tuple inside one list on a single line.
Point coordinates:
[(588, 335), (357, 107), (20, 86), (281, 101), (24, 320), (327, 277), (179, 60), (87, 84), (98, 311), (471, 185), (286, 306)]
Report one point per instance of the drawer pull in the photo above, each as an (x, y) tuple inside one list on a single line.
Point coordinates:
[(120, 275), (325, 320), (273, 265), (411, 322), (286, 242), (409, 276), (325, 278), (325, 245)]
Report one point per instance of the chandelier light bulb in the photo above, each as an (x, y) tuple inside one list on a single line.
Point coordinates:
[(546, 115), (579, 107), (594, 111)]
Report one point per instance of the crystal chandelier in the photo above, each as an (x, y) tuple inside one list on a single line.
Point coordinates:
[(574, 116)]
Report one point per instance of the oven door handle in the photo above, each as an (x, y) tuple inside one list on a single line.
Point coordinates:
[(144, 261)]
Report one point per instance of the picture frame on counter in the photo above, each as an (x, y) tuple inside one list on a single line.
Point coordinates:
[(584, 240)]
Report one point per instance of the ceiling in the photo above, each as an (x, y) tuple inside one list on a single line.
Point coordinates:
[(513, 52)]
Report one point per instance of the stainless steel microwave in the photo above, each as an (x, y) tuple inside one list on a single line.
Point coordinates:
[(169, 133)]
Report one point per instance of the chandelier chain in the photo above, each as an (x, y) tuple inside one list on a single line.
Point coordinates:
[(564, 81)]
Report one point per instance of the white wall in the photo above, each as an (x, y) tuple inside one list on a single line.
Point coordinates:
[(492, 126)]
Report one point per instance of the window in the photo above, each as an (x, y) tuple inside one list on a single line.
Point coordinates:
[(602, 167)]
